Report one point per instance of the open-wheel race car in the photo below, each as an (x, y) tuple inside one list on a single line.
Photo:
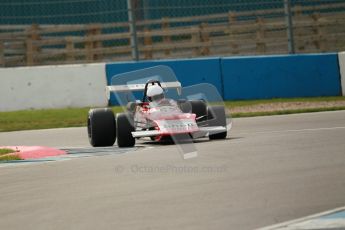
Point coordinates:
[(155, 116)]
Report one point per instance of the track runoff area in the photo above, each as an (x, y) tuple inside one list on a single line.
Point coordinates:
[(269, 170)]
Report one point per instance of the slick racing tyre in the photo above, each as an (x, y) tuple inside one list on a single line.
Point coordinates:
[(131, 107), (101, 127), (185, 106), (124, 130), (216, 117), (200, 109)]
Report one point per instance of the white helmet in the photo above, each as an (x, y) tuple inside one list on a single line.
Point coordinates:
[(154, 93)]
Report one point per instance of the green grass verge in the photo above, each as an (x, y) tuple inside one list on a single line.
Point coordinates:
[(6, 151), (9, 158), (61, 118), (4, 157), (292, 111), (43, 119), (241, 103)]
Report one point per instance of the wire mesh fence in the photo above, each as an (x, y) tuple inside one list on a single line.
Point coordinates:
[(39, 32)]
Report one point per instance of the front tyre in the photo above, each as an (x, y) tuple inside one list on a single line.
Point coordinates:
[(216, 117), (101, 127), (199, 107), (124, 130)]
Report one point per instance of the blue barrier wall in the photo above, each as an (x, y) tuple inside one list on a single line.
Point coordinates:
[(188, 71), (255, 77), (281, 76)]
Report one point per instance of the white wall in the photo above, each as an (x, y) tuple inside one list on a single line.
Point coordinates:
[(342, 70), (47, 87)]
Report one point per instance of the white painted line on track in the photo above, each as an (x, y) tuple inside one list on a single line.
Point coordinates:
[(309, 222), (34, 161)]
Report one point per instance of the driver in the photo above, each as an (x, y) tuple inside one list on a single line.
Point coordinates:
[(155, 93), (156, 97)]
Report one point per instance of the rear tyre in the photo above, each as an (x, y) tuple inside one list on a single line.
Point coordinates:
[(124, 130), (131, 107), (185, 106), (216, 117), (101, 127), (200, 109)]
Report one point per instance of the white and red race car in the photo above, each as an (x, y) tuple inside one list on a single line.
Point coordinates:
[(159, 120)]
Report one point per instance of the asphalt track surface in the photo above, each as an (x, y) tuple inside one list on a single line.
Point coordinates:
[(269, 170)]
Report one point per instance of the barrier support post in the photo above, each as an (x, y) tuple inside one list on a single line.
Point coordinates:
[(2, 54), (289, 26)]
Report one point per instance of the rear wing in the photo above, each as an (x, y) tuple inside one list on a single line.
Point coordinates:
[(139, 87)]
